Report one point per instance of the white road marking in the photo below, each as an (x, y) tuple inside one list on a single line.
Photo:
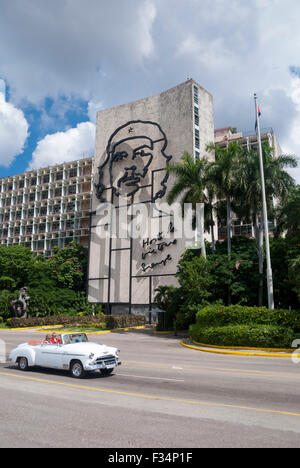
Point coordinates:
[(144, 377)]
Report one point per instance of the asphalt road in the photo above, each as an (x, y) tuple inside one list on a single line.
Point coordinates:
[(163, 396)]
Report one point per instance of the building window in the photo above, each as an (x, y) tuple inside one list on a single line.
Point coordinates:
[(196, 112), (42, 227), (73, 173), (196, 95), (71, 206), (33, 181), (58, 192), (43, 210), (72, 189), (32, 196), (31, 213), (6, 217), (59, 176), (40, 244), (44, 194), (55, 226), (197, 154), (46, 178), (197, 143), (29, 229), (8, 202), (20, 199), (21, 184), (70, 223)]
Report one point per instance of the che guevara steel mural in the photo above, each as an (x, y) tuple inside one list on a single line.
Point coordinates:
[(136, 158), (130, 154)]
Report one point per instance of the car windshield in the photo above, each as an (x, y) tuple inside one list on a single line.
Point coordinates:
[(75, 338)]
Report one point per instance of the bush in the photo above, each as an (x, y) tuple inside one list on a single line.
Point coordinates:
[(264, 336), (241, 315), (110, 321)]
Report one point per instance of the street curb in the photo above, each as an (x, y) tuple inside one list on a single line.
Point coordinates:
[(236, 353), (46, 327), (243, 347), (115, 330)]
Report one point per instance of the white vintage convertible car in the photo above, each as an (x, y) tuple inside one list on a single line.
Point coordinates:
[(73, 352)]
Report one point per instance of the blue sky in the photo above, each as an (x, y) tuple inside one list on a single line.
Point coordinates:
[(63, 60)]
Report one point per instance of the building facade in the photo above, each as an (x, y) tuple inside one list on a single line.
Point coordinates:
[(223, 136), (134, 144), (48, 207)]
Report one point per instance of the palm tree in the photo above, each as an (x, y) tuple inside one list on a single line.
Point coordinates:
[(222, 174), (289, 214), (189, 187), (248, 192)]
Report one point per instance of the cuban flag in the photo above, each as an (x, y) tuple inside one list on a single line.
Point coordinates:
[(259, 114)]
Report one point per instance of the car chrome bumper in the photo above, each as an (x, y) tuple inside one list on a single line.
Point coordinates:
[(94, 367)]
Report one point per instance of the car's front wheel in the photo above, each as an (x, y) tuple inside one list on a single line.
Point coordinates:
[(106, 372), (23, 364), (77, 370)]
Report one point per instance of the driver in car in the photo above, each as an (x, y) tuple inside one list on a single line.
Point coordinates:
[(55, 339)]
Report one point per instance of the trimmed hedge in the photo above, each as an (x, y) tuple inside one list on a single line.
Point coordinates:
[(263, 336), (109, 321), (219, 316)]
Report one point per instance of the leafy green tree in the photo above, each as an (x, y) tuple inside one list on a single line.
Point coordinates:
[(289, 215), (16, 263), (295, 275), (56, 285), (69, 266), (248, 193), (195, 278)]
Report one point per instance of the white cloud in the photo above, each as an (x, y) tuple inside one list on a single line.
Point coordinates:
[(73, 144), (66, 48), (146, 18), (13, 132), (93, 108), (115, 52)]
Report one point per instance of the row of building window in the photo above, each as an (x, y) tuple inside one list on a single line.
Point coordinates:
[(44, 179), (196, 118), (44, 195), (39, 212), (39, 229)]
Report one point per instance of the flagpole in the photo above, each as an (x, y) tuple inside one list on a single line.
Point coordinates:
[(265, 212)]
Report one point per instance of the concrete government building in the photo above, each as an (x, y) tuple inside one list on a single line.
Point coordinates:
[(134, 144), (53, 206)]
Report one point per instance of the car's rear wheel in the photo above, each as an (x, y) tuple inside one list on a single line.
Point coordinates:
[(106, 372), (77, 370), (23, 364)]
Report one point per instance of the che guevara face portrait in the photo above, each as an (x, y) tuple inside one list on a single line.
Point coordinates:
[(131, 151)]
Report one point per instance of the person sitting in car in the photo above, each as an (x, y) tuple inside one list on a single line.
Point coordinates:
[(47, 340), (54, 339)]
